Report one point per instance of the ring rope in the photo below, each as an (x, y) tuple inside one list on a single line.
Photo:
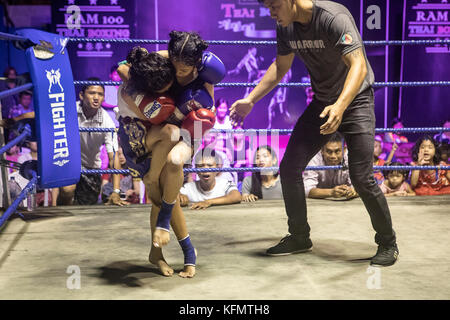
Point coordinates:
[(16, 90), (13, 37), (289, 131), (230, 169), (292, 84)]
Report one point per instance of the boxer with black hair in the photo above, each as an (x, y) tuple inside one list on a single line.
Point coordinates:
[(147, 141)]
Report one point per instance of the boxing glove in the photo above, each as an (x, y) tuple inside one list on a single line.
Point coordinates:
[(198, 122), (192, 99), (156, 109), (211, 68)]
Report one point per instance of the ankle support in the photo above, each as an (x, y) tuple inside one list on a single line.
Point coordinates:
[(165, 213), (188, 251)]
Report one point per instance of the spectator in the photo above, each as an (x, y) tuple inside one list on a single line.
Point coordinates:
[(266, 184), (52, 194), (396, 136), (238, 151), (129, 187), (395, 182), (444, 150), (90, 114), (222, 117), (428, 182), (10, 73), (329, 183), (444, 137), (378, 160), (11, 101), (24, 105), (110, 102), (209, 190), (210, 141)]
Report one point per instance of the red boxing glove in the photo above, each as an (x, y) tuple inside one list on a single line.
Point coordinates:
[(156, 109), (198, 122)]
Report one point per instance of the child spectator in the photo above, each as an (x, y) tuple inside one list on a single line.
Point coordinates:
[(428, 182), (129, 187), (263, 185), (395, 136), (210, 189), (444, 137), (395, 182), (222, 117), (378, 159)]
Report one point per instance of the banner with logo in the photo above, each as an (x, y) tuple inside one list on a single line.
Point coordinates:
[(426, 20), (57, 133), (105, 19)]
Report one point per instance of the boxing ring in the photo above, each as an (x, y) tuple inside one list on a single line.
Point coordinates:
[(100, 252)]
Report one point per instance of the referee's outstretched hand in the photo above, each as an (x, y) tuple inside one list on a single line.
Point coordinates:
[(239, 110)]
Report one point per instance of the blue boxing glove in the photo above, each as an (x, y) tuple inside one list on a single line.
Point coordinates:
[(211, 69), (194, 99)]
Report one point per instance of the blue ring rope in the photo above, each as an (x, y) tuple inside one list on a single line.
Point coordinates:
[(14, 91), (288, 131), (12, 37), (292, 84), (22, 136), (229, 169)]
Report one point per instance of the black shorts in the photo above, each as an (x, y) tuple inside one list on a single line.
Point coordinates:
[(132, 134)]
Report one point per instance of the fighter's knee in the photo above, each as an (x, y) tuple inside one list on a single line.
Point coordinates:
[(179, 155), (170, 133)]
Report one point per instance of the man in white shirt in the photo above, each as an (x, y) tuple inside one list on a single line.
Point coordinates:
[(209, 190), (329, 183), (92, 115)]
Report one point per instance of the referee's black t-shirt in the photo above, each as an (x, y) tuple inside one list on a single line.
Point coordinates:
[(331, 34)]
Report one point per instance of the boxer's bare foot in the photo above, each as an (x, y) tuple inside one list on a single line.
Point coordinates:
[(188, 271), (155, 257), (160, 238)]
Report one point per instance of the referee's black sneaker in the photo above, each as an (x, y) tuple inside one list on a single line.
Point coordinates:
[(290, 245), (386, 256)]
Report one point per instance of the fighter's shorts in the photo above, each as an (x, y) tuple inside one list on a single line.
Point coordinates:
[(132, 134)]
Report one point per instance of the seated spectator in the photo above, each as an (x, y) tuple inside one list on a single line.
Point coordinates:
[(378, 160), (324, 184), (91, 114), (395, 136), (210, 141), (266, 184), (210, 189), (16, 180), (428, 182), (129, 187), (238, 151), (24, 105), (110, 102), (222, 117), (444, 150), (395, 182), (11, 101), (443, 137)]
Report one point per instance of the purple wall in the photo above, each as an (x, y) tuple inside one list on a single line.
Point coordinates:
[(247, 20)]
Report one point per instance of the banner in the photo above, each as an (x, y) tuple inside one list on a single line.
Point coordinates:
[(426, 106), (106, 19)]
